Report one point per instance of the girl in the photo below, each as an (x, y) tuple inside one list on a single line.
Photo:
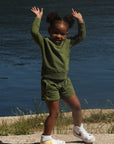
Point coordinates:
[(55, 65)]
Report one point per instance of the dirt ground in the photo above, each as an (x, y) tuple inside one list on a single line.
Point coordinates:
[(69, 139)]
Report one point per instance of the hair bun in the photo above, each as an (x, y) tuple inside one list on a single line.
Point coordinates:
[(51, 17), (69, 19)]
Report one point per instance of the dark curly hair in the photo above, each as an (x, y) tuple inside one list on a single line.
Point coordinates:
[(53, 16)]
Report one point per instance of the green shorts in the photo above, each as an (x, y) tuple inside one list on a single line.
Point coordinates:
[(56, 89)]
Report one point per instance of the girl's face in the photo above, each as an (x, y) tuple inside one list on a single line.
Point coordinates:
[(58, 32)]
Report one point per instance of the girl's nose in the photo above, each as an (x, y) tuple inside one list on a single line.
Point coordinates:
[(58, 36)]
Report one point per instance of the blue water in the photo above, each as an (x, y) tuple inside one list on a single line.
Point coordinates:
[(92, 61)]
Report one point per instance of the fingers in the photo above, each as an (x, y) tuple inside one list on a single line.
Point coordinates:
[(77, 15), (37, 9), (42, 10), (74, 12), (34, 9)]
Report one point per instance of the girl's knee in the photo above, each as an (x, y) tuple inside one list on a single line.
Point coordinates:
[(54, 114), (53, 107), (77, 107)]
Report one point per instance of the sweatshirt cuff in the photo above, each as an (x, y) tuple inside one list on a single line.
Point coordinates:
[(37, 19)]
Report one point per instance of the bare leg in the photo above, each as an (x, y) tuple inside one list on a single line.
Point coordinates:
[(78, 131), (53, 107), (75, 106)]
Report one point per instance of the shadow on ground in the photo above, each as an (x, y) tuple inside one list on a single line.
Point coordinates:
[(3, 143), (76, 142)]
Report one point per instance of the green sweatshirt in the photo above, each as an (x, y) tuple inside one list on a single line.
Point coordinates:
[(55, 58)]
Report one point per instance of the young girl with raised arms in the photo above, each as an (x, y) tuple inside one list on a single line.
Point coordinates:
[(55, 84)]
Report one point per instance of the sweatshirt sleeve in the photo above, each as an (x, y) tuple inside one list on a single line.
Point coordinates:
[(80, 36), (37, 37)]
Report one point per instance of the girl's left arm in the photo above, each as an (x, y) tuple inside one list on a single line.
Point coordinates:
[(77, 15), (81, 28)]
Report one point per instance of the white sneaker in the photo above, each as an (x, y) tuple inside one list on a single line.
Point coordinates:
[(83, 134), (50, 140)]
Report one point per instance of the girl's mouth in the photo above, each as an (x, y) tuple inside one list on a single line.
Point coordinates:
[(57, 41)]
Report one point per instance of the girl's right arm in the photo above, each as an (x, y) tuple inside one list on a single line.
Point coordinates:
[(36, 25), (37, 12)]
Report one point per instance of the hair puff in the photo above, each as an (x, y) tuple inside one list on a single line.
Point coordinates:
[(51, 17), (69, 19)]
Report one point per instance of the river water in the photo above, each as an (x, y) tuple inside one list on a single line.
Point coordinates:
[(91, 62)]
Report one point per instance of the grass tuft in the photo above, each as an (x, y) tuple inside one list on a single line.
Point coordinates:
[(23, 126), (99, 117), (111, 129), (4, 129)]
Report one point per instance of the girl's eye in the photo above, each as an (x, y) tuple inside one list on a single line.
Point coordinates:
[(63, 34), (56, 32), (59, 33)]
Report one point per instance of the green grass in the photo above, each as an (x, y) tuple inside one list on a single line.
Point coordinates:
[(99, 117), (36, 123), (22, 126), (111, 129), (103, 120)]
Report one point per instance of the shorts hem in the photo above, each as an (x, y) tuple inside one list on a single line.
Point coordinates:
[(44, 99), (64, 97)]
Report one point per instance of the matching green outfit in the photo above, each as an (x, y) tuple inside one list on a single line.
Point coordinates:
[(55, 61)]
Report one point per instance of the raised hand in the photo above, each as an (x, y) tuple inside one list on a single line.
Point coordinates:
[(77, 15), (37, 12)]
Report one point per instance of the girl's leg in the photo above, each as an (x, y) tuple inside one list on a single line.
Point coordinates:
[(78, 129), (74, 103), (53, 107)]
